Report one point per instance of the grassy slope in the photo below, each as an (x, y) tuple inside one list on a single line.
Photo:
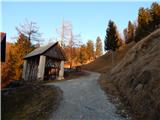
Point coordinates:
[(104, 63), (135, 76), (29, 102)]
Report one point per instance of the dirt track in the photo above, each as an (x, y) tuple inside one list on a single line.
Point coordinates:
[(83, 99)]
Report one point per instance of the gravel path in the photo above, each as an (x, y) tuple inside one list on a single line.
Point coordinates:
[(83, 99)]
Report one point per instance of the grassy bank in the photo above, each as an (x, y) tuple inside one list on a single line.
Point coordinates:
[(135, 77), (29, 102)]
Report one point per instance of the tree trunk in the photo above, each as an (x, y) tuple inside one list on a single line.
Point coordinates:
[(70, 65)]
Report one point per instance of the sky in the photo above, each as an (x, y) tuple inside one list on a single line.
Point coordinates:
[(89, 19)]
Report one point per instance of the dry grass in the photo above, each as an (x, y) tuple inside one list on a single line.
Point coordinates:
[(104, 63), (114, 95), (30, 102), (135, 78)]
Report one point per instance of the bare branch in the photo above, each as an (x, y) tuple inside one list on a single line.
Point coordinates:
[(31, 30)]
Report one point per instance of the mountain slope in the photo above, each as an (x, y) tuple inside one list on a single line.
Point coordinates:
[(135, 76)]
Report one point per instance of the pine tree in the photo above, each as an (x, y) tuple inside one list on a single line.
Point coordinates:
[(99, 51), (111, 39)]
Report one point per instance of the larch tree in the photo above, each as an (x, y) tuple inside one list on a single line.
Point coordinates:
[(20, 49), (7, 68), (69, 42), (144, 24), (82, 55), (155, 13), (71, 52), (129, 33), (99, 50), (125, 33), (64, 33), (12, 68), (30, 30), (148, 21), (90, 50)]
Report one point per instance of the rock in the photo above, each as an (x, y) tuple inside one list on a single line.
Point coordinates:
[(139, 87)]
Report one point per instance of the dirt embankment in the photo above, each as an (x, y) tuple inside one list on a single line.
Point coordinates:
[(136, 78)]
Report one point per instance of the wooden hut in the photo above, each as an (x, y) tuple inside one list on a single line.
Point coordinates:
[(44, 63)]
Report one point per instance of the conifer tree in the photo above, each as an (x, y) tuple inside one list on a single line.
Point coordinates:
[(111, 39), (144, 24), (98, 51), (129, 33), (82, 55), (30, 30), (90, 50), (155, 13), (125, 33), (7, 68), (20, 49)]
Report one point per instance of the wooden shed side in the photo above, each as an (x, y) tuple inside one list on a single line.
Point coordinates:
[(32, 68)]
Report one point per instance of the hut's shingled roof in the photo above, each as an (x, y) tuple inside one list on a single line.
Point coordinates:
[(43, 49)]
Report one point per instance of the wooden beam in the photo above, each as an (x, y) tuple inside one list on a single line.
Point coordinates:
[(24, 70), (3, 46), (61, 71), (41, 67)]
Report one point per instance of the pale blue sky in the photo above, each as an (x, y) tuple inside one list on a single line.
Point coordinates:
[(89, 19)]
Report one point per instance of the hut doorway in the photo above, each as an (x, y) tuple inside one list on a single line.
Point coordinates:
[(51, 69), (51, 73)]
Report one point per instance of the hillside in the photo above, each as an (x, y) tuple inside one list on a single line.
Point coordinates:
[(104, 62), (135, 76)]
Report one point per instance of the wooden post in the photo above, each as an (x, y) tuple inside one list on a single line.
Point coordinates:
[(61, 71), (24, 70), (41, 67), (3, 46)]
